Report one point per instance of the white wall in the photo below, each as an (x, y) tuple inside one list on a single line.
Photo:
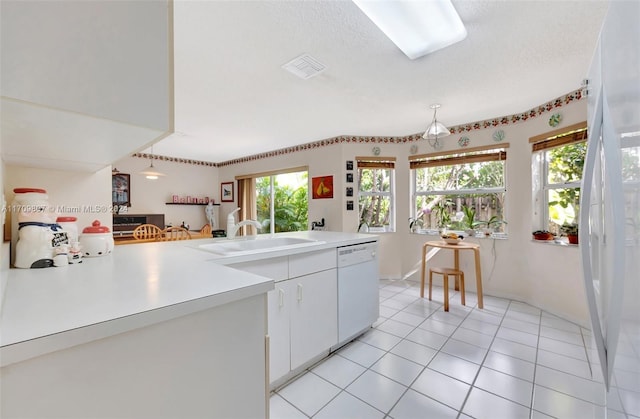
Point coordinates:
[(321, 161), (151, 196), (545, 275)]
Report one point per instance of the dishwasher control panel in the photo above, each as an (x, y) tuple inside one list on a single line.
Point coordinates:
[(357, 253)]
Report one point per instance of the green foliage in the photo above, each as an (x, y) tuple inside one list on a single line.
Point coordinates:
[(493, 222), (374, 206), (565, 166), (443, 213), (465, 177), (415, 223), (569, 229), (470, 221), (290, 209)]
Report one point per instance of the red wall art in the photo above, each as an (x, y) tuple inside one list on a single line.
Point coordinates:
[(322, 187)]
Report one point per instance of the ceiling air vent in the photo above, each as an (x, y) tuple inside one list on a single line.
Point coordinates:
[(304, 66)]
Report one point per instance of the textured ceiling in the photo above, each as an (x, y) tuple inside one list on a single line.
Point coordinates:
[(233, 99)]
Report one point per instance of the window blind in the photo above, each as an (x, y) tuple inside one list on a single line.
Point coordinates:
[(475, 155), (572, 134), (375, 162)]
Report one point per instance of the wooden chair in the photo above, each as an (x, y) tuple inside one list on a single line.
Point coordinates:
[(147, 232), (176, 233), (205, 231), (445, 272)]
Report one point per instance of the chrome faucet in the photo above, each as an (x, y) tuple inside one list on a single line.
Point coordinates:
[(233, 227)]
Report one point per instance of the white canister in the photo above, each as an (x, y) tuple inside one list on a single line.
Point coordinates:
[(96, 240), (70, 225), (32, 246), (23, 200)]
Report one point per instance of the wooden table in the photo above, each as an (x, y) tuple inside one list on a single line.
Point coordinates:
[(456, 259)]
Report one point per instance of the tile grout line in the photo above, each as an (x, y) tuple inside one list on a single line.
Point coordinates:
[(535, 368), (344, 390), (402, 339), (424, 367), (408, 292), (586, 353), (438, 351), (500, 325), (475, 378)]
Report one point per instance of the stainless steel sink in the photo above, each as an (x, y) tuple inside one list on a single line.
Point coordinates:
[(259, 245)]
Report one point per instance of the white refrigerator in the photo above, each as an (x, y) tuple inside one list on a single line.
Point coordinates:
[(610, 206)]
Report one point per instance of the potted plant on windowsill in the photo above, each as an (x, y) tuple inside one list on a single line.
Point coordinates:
[(492, 225), (443, 218), (571, 231), (470, 223), (542, 235), (415, 224)]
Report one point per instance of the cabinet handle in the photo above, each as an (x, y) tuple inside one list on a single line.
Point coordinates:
[(299, 292), (281, 297)]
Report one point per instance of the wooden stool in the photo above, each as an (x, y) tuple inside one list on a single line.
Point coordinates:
[(445, 272)]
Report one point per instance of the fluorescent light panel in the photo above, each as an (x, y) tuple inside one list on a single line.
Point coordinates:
[(416, 27)]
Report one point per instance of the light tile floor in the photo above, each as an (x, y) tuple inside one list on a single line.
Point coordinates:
[(509, 360)]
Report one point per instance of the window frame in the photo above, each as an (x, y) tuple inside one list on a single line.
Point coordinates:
[(388, 163), (497, 152), (541, 146), (272, 208)]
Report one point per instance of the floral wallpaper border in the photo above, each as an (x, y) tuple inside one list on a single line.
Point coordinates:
[(174, 159), (458, 129)]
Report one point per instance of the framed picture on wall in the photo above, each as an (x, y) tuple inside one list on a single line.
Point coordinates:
[(322, 187), (121, 189), (226, 192)]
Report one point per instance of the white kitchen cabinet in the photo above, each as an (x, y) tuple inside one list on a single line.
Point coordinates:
[(302, 321), (314, 316), (210, 363), (279, 309), (302, 309)]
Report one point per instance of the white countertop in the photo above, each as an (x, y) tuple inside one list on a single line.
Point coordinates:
[(137, 285)]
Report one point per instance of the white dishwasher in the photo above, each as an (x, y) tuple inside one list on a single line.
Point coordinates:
[(358, 289)]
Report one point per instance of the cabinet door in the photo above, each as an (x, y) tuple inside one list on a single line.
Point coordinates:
[(314, 315), (279, 303)]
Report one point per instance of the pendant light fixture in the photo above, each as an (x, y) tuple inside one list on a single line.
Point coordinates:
[(435, 130), (150, 172)]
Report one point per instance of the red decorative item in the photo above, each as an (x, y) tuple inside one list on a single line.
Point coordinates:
[(322, 187), (542, 235)]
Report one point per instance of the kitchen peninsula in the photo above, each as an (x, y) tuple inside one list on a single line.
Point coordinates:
[(154, 330)]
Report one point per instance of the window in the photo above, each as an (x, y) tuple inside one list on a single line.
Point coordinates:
[(558, 160), (278, 200), (375, 193), (443, 184)]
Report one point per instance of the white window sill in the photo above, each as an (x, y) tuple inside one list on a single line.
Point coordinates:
[(555, 242), (377, 230), (496, 236)]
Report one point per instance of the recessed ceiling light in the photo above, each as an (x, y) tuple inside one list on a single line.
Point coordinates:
[(416, 27)]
